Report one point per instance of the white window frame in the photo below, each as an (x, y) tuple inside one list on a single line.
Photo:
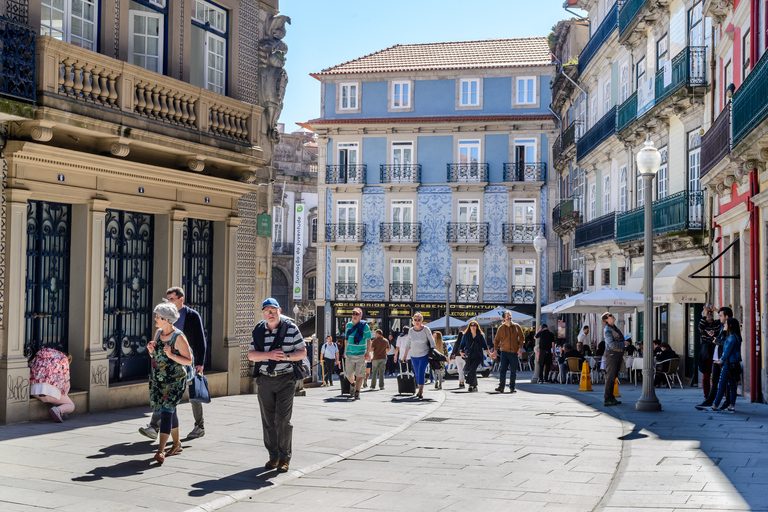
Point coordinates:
[(662, 176), (594, 110), (204, 12), (347, 264), (528, 90), (694, 160), (350, 96), (218, 88), (400, 263), (467, 265), (401, 94), (313, 230), (606, 97), (624, 82), (592, 201), (607, 195), (160, 36), (525, 204), (478, 92), (66, 29), (524, 265), (278, 225), (623, 188), (640, 193)]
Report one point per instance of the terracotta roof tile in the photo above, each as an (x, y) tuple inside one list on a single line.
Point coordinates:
[(489, 53)]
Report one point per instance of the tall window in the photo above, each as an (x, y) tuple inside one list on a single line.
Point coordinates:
[(594, 110), (624, 81), (209, 41), (348, 97), (662, 177), (73, 21), (592, 201), (606, 195), (662, 51), (347, 218), (606, 97), (277, 225), (694, 160), (470, 92), (523, 273), (401, 94), (640, 73), (401, 271), (346, 270), (640, 194), (695, 25), (728, 77), (581, 114), (745, 50), (467, 272), (526, 92), (313, 231), (146, 26), (623, 188), (523, 212), (311, 287)]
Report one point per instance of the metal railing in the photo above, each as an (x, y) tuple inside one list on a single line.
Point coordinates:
[(567, 281), (678, 212), (596, 231), (557, 147), (601, 35), (467, 232), (750, 101), (604, 128), (628, 11), (405, 173), (282, 248), (468, 173), (564, 211), (626, 113), (350, 233), (467, 293), (528, 171), (716, 143), (520, 233), (400, 232), (400, 291), (571, 134), (689, 68), (349, 174), (523, 294), (17, 60), (346, 291)]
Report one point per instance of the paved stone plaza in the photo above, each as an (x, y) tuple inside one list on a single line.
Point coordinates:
[(547, 447)]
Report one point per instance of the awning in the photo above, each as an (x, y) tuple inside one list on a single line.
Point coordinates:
[(636, 281), (672, 284)]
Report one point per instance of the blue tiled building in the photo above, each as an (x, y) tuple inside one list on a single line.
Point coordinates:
[(433, 162)]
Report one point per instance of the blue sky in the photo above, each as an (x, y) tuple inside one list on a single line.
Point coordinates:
[(324, 33)]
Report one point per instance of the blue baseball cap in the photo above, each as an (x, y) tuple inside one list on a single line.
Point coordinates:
[(270, 302)]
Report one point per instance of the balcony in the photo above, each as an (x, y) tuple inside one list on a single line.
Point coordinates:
[(17, 61), (520, 233), (467, 293), (346, 174), (535, 172), (406, 174), (565, 215), (346, 291), (282, 248), (467, 233), (601, 35), (401, 291), (466, 177), (345, 236), (679, 212), (626, 113), (400, 235), (636, 16), (689, 69), (750, 101), (599, 230), (567, 281), (716, 143), (523, 294), (604, 128)]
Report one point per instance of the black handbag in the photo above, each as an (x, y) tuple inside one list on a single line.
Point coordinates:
[(198, 389), (734, 370), (301, 369)]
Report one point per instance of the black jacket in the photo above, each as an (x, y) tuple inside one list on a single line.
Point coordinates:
[(195, 334), (546, 339)]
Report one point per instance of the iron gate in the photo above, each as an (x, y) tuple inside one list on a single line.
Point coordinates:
[(128, 308), (46, 308), (197, 273)]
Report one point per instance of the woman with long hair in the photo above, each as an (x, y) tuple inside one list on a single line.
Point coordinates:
[(472, 348), (417, 345), (614, 353), (731, 372), (440, 347)]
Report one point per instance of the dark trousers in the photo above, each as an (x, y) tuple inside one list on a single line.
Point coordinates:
[(328, 366), (276, 405), (471, 370), (725, 385), (391, 366), (544, 361), (716, 372), (507, 360), (613, 360), (706, 374)]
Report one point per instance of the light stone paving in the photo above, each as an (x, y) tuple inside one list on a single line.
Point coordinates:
[(547, 447)]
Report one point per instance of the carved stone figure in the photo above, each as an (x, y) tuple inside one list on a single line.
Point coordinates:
[(274, 78)]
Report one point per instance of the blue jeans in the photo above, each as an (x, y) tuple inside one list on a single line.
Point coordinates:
[(507, 360), (725, 382)]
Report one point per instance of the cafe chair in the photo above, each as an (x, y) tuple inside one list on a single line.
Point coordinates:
[(573, 369), (672, 372)]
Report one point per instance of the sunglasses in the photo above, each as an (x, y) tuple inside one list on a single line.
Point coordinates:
[(355, 314), (418, 319)]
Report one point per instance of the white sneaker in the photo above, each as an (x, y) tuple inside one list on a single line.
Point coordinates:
[(148, 431), (196, 432)]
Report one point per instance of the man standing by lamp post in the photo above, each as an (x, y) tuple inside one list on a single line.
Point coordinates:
[(648, 163), (539, 244)]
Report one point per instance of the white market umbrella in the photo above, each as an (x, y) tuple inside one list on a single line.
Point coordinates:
[(551, 307), (453, 323), (604, 299), (494, 316)]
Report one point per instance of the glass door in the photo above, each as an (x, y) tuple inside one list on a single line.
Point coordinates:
[(346, 278), (401, 279), (348, 158), (523, 220), (347, 226), (402, 221), (523, 282), (525, 160), (146, 44), (469, 221), (469, 160), (402, 162), (467, 284)]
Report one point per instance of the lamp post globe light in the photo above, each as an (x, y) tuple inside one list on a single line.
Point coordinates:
[(447, 282), (296, 313), (539, 244), (648, 163)]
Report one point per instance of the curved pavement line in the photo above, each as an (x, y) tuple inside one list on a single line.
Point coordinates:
[(239, 496)]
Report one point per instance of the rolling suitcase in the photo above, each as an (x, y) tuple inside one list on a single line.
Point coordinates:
[(406, 384), (346, 388)]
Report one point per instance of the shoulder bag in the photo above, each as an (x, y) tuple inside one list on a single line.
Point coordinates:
[(198, 389)]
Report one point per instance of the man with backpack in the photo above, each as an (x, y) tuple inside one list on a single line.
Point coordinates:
[(357, 350), (276, 345)]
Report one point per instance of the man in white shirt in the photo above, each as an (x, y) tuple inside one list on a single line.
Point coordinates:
[(400, 349), (583, 337), (330, 353)]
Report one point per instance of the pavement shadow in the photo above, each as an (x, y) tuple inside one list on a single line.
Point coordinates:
[(75, 421), (250, 479), (121, 470), (342, 398), (122, 449)]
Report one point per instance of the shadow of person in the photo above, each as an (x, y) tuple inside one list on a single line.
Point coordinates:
[(122, 449), (121, 470), (342, 398), (250, 479), (635, 434)]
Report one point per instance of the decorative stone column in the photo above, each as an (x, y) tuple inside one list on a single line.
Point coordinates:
[(225, 346), (176, 246)]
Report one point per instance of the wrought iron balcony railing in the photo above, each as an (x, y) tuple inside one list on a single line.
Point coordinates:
[(572, 133), (626, 113), (523, 294), (520, 233), (604, 128), (689, 69), (467, 232), (400, 291), (601, 35), (405, 173), (678, 212), (596, 231), (566, 281), (750, 101), (468, 173), (528, 171), (17, 60), (716, 143), (467, 293), (628, 11), (346, 291), (282, 248), (400, 232), (564, 212), (353, 233), (345, 174)]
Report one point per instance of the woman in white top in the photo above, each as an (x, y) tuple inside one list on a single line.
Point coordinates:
[(417, 346)]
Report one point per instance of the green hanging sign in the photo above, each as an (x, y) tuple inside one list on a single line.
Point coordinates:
[(264, 224)]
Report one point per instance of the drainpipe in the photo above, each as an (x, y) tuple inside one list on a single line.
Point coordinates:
[(754, 240), (713, 70)]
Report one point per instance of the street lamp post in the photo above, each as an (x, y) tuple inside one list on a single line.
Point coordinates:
[(648, 163), (447, 282), (296, 313), (539, 244)]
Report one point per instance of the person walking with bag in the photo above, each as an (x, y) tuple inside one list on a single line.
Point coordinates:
[(731, 367), (507, 348), (417, 346), (473, 345), (276, 344), (442, 349), (460, 363), (330, 353), (614, 355), (379, 362), (191, 324), (356, 352)]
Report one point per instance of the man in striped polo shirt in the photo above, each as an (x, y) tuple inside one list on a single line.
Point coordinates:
[(275, 380)]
